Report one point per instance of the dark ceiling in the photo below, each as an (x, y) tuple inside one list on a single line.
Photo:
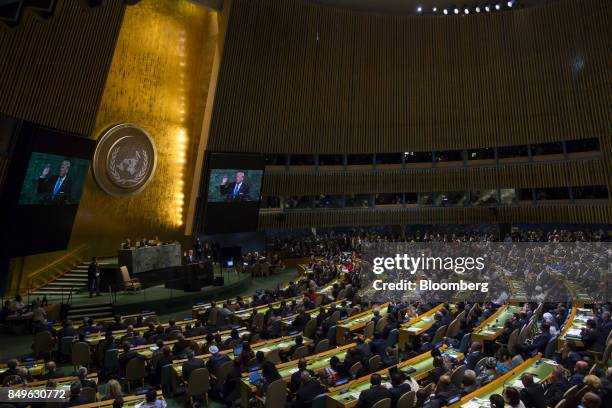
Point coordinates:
[(427, 6)]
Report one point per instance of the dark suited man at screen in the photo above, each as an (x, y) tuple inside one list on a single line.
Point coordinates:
[(56, 189), (237, 190)]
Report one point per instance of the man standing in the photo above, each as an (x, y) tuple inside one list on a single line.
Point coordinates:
[(93, 277), (237, 190), (56, 189)]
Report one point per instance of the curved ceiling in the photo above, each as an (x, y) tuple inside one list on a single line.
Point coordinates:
[(412, 6)]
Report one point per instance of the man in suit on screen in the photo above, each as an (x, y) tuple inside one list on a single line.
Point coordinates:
[(55, 189), (237, 190)]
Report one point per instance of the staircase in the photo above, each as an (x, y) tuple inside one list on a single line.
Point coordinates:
[(93, 310), (75, 279)]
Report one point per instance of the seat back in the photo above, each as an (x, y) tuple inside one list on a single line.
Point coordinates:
[(169, 381), (374, 363), (407, 400), (258, 321), (334, 317), (310, 328), (80, 354), (322, 346), (392, 338), (276, 394), (199, 382), (275, 329), (274, 356), (368, 332), (465, 343), (513, 340), (221, 375), (300, 352), (562, 404), (89, 394), (457, 375), (135, 369), (381, 324), (355, 369), (319, 401), (65, 345), (125, 274), (453, 328), (212, 316), (439, 335), (551, 346), (110, 360), (383, 403), (331, 335), (43, 342)]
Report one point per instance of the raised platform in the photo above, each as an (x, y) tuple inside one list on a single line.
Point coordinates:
[(164, 301)]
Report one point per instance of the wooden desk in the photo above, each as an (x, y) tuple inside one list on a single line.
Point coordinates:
[(95, 338), (147, 350), (35, 367), (346, 396), (491, 328), (286, 370), (282, 344), (579, 295), (242, 316), (417, 325), (108, 320), (357, 322), (129, 401), (539, 367), (575, 323)]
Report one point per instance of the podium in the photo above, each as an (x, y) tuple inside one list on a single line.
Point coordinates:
[(192, 277)]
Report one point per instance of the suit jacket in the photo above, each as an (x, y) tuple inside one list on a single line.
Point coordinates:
[(89, 383), (46, 186), (533, 396), (555, 390), (472, 359), (371, 396), (228, 191)]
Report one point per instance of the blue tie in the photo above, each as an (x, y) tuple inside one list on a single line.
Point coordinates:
[(236, 188), (58, 184)]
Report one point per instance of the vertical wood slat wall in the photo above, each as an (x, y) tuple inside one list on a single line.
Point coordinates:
[(302, 78), (473, 215), (53, 70), (298, 77), (578, 173)]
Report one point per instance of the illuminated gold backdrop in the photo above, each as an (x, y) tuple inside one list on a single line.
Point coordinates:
[(158, 79)]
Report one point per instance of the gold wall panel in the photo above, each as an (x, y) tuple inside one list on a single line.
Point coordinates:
[(159, 80), (298, 77), (53, 70)]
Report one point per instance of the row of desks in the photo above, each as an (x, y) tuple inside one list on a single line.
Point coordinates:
[(574, 325), (281, 344), (491, 328), (357, 322), (540, 368), (346, 396)]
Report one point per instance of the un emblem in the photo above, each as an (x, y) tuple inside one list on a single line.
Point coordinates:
[(125, 160)]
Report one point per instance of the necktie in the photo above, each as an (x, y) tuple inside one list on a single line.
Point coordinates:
[(236, 188), (58, 184)]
